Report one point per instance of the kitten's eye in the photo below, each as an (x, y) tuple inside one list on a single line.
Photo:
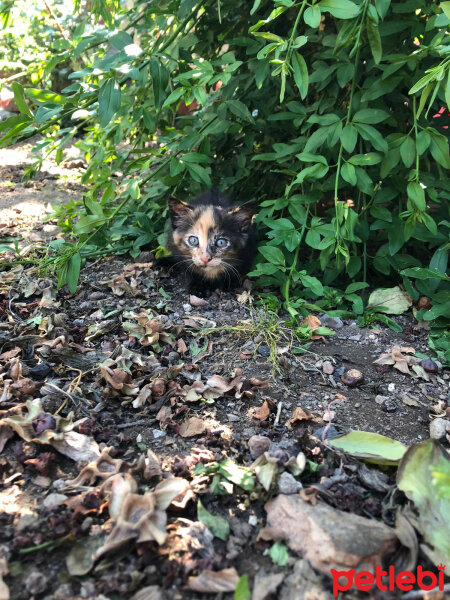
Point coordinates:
[(222, 243), (193, 241)]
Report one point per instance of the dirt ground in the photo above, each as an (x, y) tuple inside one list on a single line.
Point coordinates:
[(61, 340)]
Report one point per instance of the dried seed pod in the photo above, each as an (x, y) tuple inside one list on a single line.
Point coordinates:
[(352, 378)]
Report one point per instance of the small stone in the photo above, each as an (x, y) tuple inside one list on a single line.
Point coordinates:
[(438, 428), (41, 481), (233, 418), (54, 499), (78, 323), (391, 387), (357, 404), (58, 484), (40, 371), (173, 357), (196, 301), (157, 433), (331, 322), (264, 350), (339, 371), (389, 405), (258, 444), (287, 484), (86, 524), (379, 399), (253, 520), (187, 308), (354, 338), (429, 366), (36, 582), (319, 364), (328, 368), (97, 296)]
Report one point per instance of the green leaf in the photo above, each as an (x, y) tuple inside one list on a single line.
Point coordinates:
[(88, 223), (414, 478), (439, 149), (370, 158), (43, 96), (272, 254), (382, 7), (422, 273), (423, 141), (349, 137), (370, 447), (199, 173), (173, 97), (408, 151), (373, 136), (348, 173), (73, 272), (109, 99), (417, 195), (279, 554), (239, 109), (242, 591), (218, 526), (312, 283), (370, 116), (312, 16), (160, 78), (446, 8), (341, 9), (373, 35), (300, 73), (19, 98), (355, 287)]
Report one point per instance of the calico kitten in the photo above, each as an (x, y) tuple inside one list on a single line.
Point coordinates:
[(212, 242)]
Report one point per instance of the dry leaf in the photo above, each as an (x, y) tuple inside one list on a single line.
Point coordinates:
[(215, 582), (262, 412), (191, 427)]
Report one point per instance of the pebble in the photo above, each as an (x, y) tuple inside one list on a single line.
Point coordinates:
[(97, 296), (318, 364), (264, 350), (187, 308), (331, 322), (391, 387), (157, 433), (379, 399), (258, 444), (173, 357), (233, 418), (253, 520), (54, 499), (357, 404), (438, 428), (355, 338), (36, 582), (78, 323), (389, 405), (332, 432), (287, 484), (86, 524), (327, 368)]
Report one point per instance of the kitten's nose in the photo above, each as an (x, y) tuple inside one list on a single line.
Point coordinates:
[(205, 259)]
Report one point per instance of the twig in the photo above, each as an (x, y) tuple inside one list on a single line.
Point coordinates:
[(277, 418), (53, 16), (420, 593), (138, 422)]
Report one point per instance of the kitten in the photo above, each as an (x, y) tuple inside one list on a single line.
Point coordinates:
[(212, 242)]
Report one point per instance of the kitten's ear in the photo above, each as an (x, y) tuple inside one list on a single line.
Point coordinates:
[(178, 210), (244, 214)]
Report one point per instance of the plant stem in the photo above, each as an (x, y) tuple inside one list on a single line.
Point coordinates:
[(416, 133)]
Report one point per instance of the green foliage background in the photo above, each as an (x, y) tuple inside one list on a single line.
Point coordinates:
[(322, 111)]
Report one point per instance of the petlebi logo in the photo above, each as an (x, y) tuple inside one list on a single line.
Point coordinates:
[(388, 580)]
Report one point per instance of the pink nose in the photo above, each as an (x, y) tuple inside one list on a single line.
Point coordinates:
[(205, 259)]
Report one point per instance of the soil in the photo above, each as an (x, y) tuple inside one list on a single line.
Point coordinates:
[(92, 321)]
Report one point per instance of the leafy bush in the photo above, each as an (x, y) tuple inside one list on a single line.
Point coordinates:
[(326, 112)]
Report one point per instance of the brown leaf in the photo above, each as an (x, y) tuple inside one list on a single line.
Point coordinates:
[(115, 377), (181, 346), (301, 415), (214, 582), (261, 413), (191, 427)]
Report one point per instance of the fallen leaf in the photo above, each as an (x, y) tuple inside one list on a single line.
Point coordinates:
[(218, 526), (300, 415), (192, 427), (396, 357), (372, 447), (262, 412), (321, 534), (215, 582), (392, 301)]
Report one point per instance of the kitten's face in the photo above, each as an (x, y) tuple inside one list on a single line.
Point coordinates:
[(209, 237)]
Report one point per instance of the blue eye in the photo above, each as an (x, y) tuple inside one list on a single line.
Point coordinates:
[(222, 243), (192, 240)]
